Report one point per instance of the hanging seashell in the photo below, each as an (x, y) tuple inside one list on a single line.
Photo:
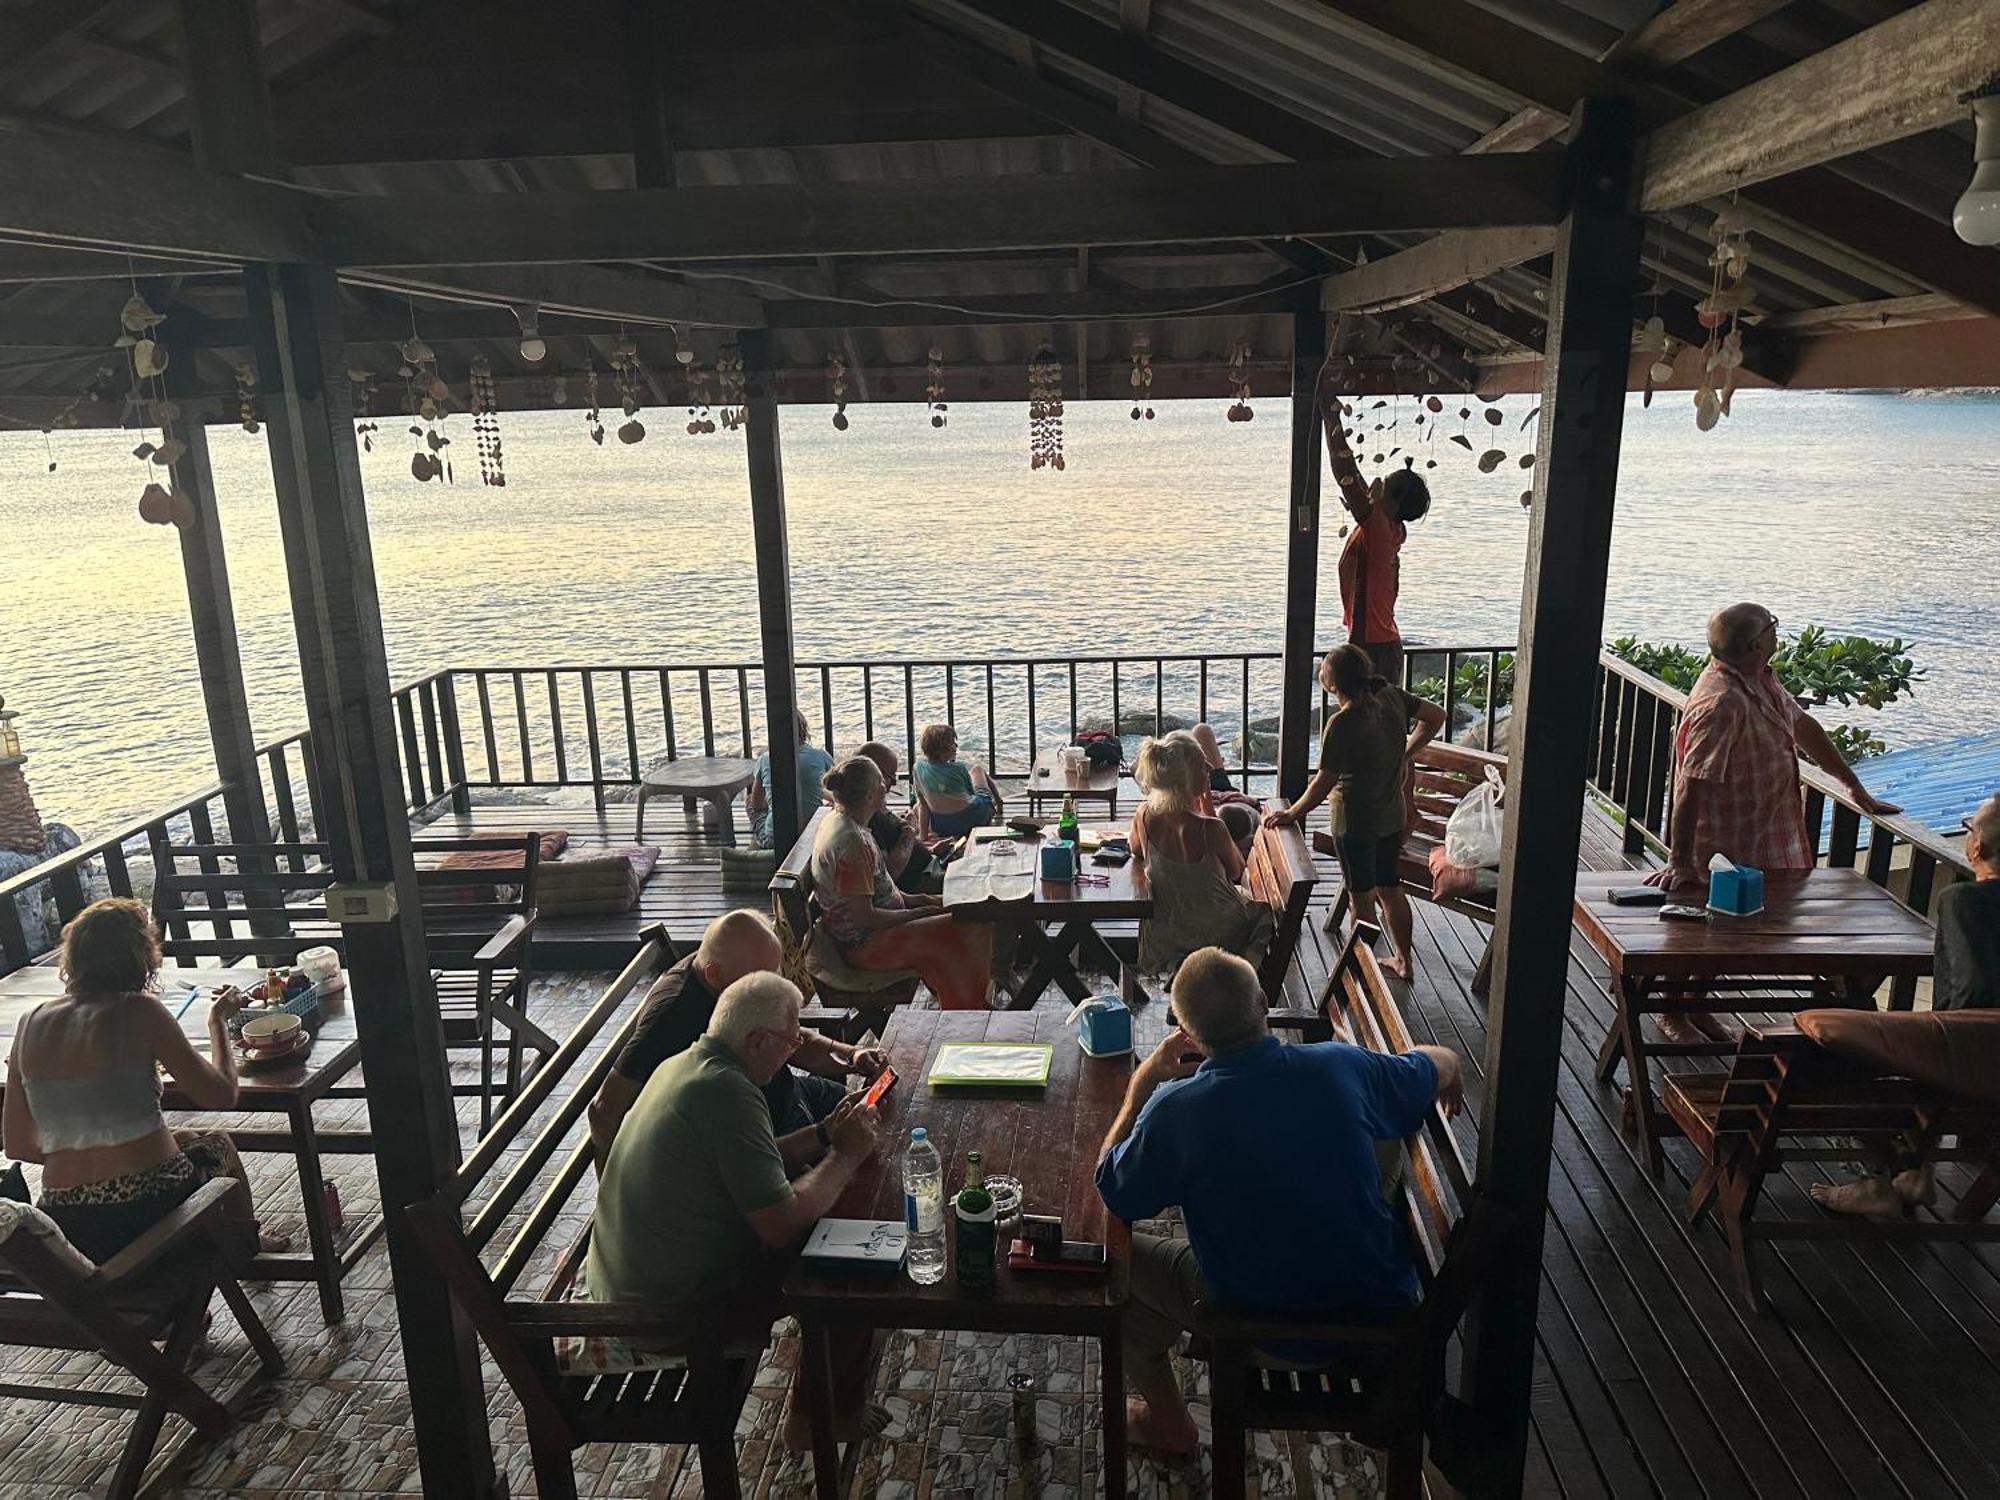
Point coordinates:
[(1462, 440), (123, 341), (1490, 460), (156, 506), (439, 391), (1536, 412), (416, 352), (1661, 371), (1489, 400), (137, 315), (632, 431), (148, 359), (1433, 403), (1707, 407), (1527, 499), (1527, 460), (143, 451), (1653, 337), (435, 440), (1464, 412), (840, 421), (169, 453), (597, 436), (1495, 416), (427, 409), (183, 512), (420, 466)]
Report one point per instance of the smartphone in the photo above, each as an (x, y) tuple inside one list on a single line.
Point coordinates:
[(1111, 857), (1026, 825), (884, 1081), (1072, 1256), (1636, 895), (1684, 913)]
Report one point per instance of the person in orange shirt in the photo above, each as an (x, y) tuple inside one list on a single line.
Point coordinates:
[(1371, 559)]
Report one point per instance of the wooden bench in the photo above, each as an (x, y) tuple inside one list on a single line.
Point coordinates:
[(143, 1310), (1391, 1393), (694, 1400), (265, 902), (1783, 1087), (1281, 875), (811, 958), (1444, 776)]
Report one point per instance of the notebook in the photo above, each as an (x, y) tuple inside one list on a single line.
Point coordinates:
[(1012, 1064), (863, 1242)]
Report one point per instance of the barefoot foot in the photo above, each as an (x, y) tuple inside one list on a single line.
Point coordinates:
[(1399, 965), (1869, 1197), (273, 1241), (1147, 1428), (1915, 1186)]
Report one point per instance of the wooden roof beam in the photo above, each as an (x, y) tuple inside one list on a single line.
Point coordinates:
[(1029, 212), (1437, 265)]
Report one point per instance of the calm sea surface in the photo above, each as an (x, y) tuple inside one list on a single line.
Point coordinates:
[(1869, 513)]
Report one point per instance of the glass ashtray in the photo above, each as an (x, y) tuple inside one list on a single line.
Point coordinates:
[(1006, 1193)]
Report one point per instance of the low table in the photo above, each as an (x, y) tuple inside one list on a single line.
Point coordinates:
[(1049, 781), (714, 779), (977, 889), (290, 1090)]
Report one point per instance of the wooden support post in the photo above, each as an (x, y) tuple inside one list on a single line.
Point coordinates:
[(213, 615), (1300, 688), (1562, 621), (649, 40), (774, 586), (302, 369)]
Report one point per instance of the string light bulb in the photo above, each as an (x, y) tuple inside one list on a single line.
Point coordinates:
[(534, 348), (1976, 216)]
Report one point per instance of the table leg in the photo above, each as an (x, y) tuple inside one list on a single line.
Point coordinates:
[(319, 1229), (725, 821), (1111, 1359), (1631, 997), (816, 1370), (639, 816)]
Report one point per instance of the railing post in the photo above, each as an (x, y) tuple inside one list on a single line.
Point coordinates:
[(1562, 620), (454, 744), (1298, 687), (774, 586)]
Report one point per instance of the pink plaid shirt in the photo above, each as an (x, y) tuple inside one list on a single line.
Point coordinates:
[(1738, 738)]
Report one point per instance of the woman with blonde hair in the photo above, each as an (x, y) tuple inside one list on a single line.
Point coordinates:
[(877, 926), (1192, 862), (84, 1100)]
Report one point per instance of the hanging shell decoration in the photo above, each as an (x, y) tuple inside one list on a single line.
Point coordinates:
[(1654, 347), (486, 425), (1720, 312), (627, 372), (836, 384), (157, 503), (734, 394), (593, 419), (699, 398), (1239, 382), (246, 398), (1142, 376), (425, 397), (1045, 410), (934, 387)]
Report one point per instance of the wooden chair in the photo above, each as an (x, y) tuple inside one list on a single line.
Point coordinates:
[(810, 952), (697, 1398), (262, 903), (1444, 776), (1388, 1395), (143, 1310), (1786, 1085), (1281, 874)]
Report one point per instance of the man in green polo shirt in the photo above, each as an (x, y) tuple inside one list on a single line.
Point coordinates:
[(694, 1201)]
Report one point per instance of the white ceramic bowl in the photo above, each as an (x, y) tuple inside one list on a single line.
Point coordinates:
[(266, 1033)]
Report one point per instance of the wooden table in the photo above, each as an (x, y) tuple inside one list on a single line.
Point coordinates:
[(714, 779), (1826, 937), (1049, 781), (290, 1090), (1048, 1139), (987, 885)]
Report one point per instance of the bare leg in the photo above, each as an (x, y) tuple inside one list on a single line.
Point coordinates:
[(1211, 747), (1165, 1286), (214, 1149), (1402, 929), (851, 1352)]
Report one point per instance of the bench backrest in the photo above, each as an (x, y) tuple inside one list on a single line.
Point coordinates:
[(1444, 776), (792, 904), (251, 901), (1281, 874), (519, 1331)]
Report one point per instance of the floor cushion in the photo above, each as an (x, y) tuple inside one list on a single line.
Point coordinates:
[(601, 884)]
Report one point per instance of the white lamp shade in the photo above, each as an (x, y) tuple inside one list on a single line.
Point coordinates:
[(1976, 216)]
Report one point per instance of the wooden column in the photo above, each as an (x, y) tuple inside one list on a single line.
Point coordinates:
[(1562, 623), (1301, 693), (213, 614), (302, 369), (650, 35), (774, 586)]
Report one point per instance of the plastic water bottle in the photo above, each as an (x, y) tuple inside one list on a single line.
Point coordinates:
[(923, 1209)]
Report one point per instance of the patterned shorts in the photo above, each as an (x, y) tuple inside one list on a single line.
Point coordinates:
[(102, 1218)]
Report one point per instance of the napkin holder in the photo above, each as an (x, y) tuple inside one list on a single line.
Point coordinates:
[(1059, 861), (1735, 890), (1103, 1026)]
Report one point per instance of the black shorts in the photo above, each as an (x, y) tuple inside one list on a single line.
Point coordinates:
[(1218, 780), (1366, 863)]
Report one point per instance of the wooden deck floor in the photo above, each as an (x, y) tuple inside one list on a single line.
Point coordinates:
[(1874, 1372)]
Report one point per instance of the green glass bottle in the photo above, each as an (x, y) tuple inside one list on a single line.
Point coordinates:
[(972, 1249), (1066, 826)]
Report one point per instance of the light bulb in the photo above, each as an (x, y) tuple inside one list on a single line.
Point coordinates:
[(534, 349), (528, 315), (1976, 216)]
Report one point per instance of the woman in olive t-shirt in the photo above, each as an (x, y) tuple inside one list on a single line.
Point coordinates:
[(1364, 754)]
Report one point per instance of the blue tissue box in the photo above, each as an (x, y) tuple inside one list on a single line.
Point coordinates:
[(1059, 860), (1104, 1027), (1738, 892)]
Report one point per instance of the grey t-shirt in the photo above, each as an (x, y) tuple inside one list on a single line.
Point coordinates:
[(1363, 745), (1968, 947)]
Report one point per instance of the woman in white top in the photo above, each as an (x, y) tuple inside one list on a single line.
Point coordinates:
[(1193, 862)]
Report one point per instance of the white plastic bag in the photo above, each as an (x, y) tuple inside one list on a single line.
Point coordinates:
[(1472, 835)]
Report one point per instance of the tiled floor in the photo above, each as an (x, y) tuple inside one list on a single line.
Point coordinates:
[(337, 1422)]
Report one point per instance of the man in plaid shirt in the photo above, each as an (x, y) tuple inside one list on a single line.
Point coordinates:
[(1736, 773)]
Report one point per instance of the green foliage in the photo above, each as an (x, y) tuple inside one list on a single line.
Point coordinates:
[(1469, 682), (1816, 668)]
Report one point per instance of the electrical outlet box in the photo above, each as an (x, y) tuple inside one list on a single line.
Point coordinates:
[(358, 901)]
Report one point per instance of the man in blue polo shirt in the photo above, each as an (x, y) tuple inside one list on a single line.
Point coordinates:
[(1269, 1152)]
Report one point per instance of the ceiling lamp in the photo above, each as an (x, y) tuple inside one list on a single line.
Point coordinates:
[(534, 348), (1977, 216)]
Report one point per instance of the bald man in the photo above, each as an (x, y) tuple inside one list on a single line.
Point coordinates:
[(677, 1010), (1736, 771)]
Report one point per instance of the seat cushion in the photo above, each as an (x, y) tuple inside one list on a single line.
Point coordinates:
[(26, 1220), (595, 885), (827, 965), (1956, 1052)]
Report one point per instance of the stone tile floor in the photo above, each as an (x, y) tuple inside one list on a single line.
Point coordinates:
[(337, 1421)]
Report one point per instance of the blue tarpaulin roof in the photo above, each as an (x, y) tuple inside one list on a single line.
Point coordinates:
[(1937, 784)]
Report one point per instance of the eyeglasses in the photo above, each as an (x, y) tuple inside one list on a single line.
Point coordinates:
[(1771, 624), (793, 1039)]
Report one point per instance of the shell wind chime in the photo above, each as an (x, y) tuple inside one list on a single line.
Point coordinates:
[(1720, 312), (1142, 376), (700, 398), (934, 386), (1045, 410), (836, 384), (1239, 382), (361, 396), (427, 397), (1656, 346), (138, 326), (735, 409), (593, 417), (626, 371), (486, 425), (246, 399)]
